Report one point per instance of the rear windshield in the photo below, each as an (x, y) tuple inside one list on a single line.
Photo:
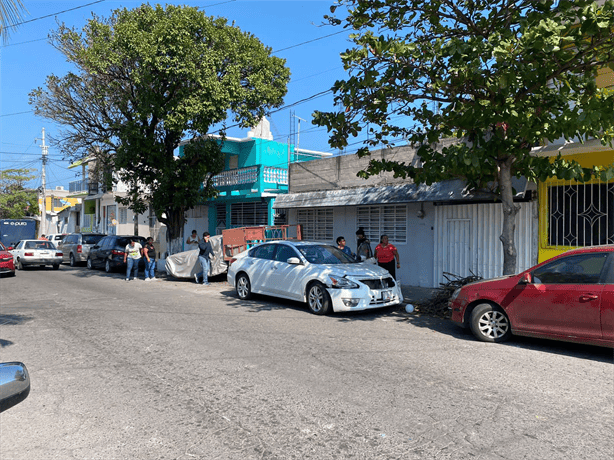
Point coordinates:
[(92, 239), (39, 245)]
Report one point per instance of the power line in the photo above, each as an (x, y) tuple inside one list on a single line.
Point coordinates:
[(15, 113), (309, 41), (55, 14)]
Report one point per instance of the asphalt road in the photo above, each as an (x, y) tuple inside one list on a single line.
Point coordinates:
[(175, 370)]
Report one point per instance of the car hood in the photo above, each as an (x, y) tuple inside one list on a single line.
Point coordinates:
[(357, 270), (483, 283)]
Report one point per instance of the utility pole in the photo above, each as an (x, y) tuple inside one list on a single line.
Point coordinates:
[(43, 226)]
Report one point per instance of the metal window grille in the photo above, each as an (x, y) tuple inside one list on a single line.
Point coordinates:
[(388, 220), (317, 224), (123, 215), (220, 218), (197, 212), (249, 214), (581, 214)]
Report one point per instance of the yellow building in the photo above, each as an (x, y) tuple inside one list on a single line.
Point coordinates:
[(57, 200), (573, 214)]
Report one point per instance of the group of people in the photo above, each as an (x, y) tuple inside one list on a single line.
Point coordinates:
[(385, 252), (205, 254), (132, 255)]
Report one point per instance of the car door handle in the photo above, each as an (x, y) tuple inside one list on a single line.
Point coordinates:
[(586, 297)]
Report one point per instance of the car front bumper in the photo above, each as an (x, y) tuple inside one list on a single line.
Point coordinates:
[(364, 298)]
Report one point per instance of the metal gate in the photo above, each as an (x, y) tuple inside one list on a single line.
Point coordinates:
[(457, 256)]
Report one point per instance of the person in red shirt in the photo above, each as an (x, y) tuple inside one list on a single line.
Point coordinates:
[(385, 254)]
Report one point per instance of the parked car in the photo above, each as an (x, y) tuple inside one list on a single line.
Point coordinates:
[(56, 238), (109, 253), (36, 252), (7, 265), (321, 275), (14, 384), (76, 246), (569, 297)]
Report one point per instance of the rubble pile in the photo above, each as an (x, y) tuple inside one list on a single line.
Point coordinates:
[(437, 305)]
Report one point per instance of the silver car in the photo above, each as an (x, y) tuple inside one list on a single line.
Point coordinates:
[(36, 252), (76, 246)]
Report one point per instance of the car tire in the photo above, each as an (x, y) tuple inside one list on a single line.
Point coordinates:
[(90, 265), (489, 323), (318, 300), (243, 287), (72, 260), (107, 267), (19, 265), (56, 266)]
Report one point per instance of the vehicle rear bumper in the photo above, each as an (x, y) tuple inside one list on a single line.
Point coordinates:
[(41, 261)]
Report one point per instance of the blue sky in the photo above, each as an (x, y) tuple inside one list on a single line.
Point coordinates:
[(28, 58)]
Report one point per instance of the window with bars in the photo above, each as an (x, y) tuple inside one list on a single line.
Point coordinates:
[(123, 215), (388, 220), (581, 214), (197, 212), (249, 214), (317, 224)]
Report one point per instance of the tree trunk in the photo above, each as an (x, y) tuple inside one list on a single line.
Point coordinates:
[(174, 230), (509, 216)]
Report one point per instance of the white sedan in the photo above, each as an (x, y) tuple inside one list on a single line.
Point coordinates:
[(321, 275), (36, 252)]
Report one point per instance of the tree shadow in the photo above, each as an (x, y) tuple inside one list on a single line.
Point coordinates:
[(12, 320)]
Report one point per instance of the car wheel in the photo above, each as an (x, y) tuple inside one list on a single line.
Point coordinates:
[(19, 265), (318, 299), (56, 266), (107, 267), (72, 260), (90, 266), (244, 287), (490, 323)]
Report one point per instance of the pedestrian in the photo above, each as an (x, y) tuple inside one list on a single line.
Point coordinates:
[(363, 246), (386, 253), (341, 245), (193, 241), (132, 257), (149, 252), (43, 237), (204, 257)]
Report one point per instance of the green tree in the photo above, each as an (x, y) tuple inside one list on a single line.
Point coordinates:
[(148, 78), (11, 12), (16, 201), (499, 76)]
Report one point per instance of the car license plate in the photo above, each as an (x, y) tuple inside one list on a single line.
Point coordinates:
[(386, 295)]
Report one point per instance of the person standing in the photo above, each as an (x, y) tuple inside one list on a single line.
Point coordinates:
[(192, 241), (341, 245), (204, 257), (132, 256), (386, 253), (363, 245), (149, 252)]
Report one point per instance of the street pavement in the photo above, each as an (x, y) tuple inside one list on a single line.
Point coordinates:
[(175, 370)]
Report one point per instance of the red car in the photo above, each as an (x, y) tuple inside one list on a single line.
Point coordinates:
[(6, 261), (569, 297)]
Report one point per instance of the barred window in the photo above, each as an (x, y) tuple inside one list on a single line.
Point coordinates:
[(317, 224), (388, 220), (581, 214), (249, 214), (123, 215)]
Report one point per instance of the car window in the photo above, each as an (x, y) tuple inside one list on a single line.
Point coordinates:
[(284, 253), (325, 254), (92, 239), (263, 252), (2, 247), (579, 269)]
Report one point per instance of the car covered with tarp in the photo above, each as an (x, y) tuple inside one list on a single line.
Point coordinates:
[(185, 264)]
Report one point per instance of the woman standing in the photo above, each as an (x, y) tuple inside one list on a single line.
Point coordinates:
[(149, 252), (386, 253)]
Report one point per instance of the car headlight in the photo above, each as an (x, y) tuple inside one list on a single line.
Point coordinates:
[(339, 282), (454, 295)]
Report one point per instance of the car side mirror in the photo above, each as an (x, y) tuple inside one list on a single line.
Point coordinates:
[(294, 261), (14, 384), (526, 278)]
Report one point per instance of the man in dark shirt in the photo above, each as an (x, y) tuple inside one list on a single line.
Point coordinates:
[(204, 257)]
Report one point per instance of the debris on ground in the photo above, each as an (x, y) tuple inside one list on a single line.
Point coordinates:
[(437, 305)]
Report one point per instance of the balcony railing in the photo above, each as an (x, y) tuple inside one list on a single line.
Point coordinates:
[(78, 186), (275, 175), (236, 177)]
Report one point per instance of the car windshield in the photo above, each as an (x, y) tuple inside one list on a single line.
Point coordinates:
[(2, 247), (39, 245), (325, 254), (92, 239)]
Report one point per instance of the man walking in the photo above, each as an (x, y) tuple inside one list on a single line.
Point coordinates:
[(204, 257), (132, 255)]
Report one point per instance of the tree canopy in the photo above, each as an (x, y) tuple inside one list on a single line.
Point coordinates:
[(146, 79), (501, 77), (16, 201)]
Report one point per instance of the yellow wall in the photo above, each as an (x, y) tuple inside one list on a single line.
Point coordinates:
[(66, 202), (586, 160)]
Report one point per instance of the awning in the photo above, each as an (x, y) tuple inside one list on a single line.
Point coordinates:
[(94, 197), (445, 191)]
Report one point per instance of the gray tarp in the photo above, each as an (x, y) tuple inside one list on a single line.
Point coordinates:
[(186, 265)]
